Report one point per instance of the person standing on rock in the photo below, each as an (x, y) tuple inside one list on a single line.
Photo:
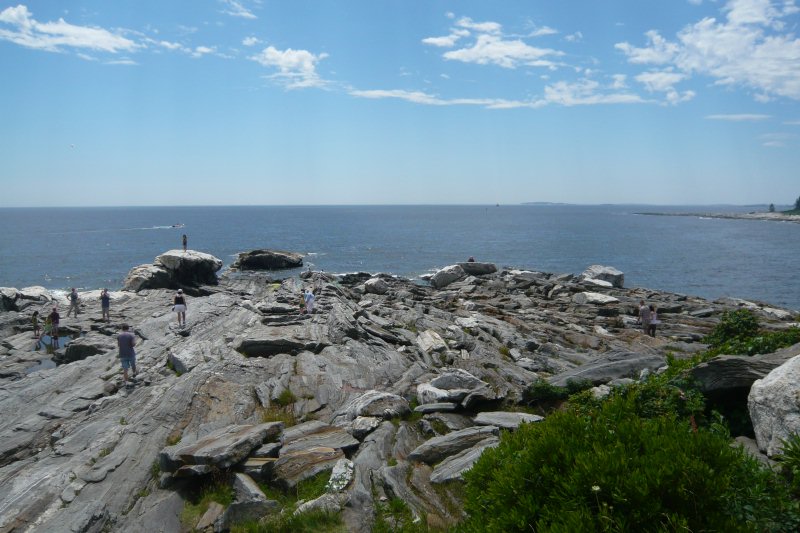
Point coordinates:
[(55, 318), (185, 240), (654, 321), (35, 324), (105, 305), (179, 306), (308, 297), (73, 302), (127, 355), (644, 317)]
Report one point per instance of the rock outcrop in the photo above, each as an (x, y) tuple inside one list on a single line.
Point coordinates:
[(267, 260), (773, 406), (388, 388), (174, 269)]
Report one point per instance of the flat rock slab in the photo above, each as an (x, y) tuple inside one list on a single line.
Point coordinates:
[(268, 260), (613, 365), (441, 407), (437, 448), (325, 436), (505, 419), (294, 467), (454, 466), (594, 298), (222, 449)]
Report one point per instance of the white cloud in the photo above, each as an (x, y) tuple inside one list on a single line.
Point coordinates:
[(419, 97), (480, 27), (619, 81), (250, 41), (792, 122), (18, 26), (586, 92), (124, 61), (659, 51), (447, 41), (740, 117), (200, 51), (664, 82), (492, 49), (296, 68), (750, 48), (574, 37), (236, 9), (778, 140)]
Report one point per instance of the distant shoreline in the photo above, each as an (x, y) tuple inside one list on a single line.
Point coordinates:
[(774, 217)]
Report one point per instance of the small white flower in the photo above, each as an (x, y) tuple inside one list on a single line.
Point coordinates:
[(595, 488)]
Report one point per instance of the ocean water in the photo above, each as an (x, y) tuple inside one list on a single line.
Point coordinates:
[(90, 248)]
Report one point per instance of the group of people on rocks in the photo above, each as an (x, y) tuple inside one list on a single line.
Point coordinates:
[(648, 318)]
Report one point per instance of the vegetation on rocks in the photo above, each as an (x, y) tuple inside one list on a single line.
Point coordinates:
[(628, 464), (739, 333)]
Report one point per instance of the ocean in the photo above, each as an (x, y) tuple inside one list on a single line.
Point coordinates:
[(90, 248)]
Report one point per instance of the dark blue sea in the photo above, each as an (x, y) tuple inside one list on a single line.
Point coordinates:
[(91, 248)]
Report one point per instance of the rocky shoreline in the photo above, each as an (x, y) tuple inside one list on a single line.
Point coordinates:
[(395, 387), (774, 217)]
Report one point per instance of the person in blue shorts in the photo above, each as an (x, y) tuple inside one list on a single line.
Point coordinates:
[(126, 340), (105, 304)]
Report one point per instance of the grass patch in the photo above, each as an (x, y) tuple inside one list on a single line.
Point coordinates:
[(275, 413), (395, 516), (173, 438), (285, 398), (505, 351), (439, 427), (155, 469), (217, 489), (316, 521), (306, 490)]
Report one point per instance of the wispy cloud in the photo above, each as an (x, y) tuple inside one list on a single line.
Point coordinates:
[(200, 51), (664, 82), (778, 140), (751, 47), (491, 47), (250, 41), (296, 68), (740, 117), (237, 9), (17, 25)]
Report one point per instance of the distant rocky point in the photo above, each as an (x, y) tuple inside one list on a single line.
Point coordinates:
[(267, 260), (389, 388), (775, 217)]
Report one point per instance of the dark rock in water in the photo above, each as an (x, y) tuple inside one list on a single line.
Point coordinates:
[(473, 268), (84, 347), (268, 260)]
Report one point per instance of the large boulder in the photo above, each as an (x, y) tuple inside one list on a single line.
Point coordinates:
[(605, 273), (729, 374), (173, 269), (267, 260), (434, 450), (190, 267), (447, 275), (473, 268), (773, 406)]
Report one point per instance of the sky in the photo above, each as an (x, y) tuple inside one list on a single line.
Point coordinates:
[(317, 102)]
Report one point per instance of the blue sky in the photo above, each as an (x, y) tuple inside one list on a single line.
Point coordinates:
[(418, 102)]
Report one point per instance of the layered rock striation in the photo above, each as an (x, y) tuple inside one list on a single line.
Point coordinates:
[(391, 386)]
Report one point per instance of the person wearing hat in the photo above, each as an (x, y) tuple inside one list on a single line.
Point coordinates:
[(179, 306)]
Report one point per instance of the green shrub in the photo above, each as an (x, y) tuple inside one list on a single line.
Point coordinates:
[(316, 521), (611, 470), (216, 488), (790, 461), (541, 391), (741, 323)]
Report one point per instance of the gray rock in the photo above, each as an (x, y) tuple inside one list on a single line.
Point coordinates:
[(239, 512), (293, 467), (376, 286), (446, 276), (364, 425), (214, 511), (267, 260), (221, 449), (437, 448), (726, 374), (607, 367), (247, 490), (505, 419), (773, 406), (453, 467), (605, 273), (321, 436), (594, 298), (83, 347), (474, 268), (147, 277), (435, 407), (374, 403)]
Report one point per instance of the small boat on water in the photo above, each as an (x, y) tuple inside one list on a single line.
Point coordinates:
[(177, 226)]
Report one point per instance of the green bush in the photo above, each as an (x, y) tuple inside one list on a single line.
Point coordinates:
[(611, 470), (790, 460), (316, 521), (738, 334), (542, 391), (738, 324)]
